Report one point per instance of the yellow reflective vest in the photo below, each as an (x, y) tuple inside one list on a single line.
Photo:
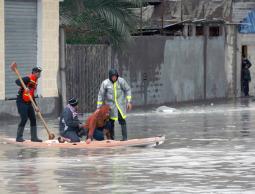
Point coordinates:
[(116, 95)]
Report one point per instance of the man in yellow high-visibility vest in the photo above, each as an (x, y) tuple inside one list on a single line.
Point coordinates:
[(116, 92)]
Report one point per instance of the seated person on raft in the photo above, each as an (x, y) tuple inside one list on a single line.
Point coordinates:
[(70, 126), (97, 124)]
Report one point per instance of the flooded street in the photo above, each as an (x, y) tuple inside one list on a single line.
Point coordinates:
[(208, 149)]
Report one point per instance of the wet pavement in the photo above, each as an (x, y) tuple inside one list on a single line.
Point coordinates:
[(209, 149)]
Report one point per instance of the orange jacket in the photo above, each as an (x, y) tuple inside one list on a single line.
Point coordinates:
[(31, 86), (98, 119)]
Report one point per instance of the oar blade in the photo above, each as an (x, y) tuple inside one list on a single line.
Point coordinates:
[(13, 66), (51, 136)]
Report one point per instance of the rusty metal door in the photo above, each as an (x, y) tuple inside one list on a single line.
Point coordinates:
[(86, 67)]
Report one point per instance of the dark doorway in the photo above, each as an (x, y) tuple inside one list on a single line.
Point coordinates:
[(244, 51)]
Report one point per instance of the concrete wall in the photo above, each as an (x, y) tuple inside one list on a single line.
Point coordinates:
[(2, 78), (141, 64), (216, 71), (172, 69), (183, 67)]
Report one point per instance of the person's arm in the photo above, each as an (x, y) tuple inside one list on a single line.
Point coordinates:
[(69, 120), (100, 98), (91, 126), (127, 90), (249, 63), (26, 80)]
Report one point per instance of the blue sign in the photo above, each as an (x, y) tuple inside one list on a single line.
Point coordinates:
[(248, 24)]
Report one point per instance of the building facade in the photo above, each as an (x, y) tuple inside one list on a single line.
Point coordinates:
[(29, 35)]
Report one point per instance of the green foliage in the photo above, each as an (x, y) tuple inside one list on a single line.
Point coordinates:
[(96, 21), (81, 38)]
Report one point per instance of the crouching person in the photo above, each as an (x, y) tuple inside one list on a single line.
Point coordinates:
[(97, 124), (70, 126)]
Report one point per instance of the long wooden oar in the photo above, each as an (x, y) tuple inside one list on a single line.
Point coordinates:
[(15, 69)]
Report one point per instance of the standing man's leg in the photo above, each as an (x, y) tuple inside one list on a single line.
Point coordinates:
[(33, 127), (22, 109), (110, 126), (242, 87), (246, 88), (123, 125)]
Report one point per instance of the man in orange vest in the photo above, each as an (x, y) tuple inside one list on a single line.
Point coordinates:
[(25, 107)]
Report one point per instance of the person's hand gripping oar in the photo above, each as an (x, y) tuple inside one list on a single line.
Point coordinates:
[(15, 69)]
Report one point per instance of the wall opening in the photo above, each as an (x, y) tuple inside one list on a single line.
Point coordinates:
[(214, 31), (199, 30)]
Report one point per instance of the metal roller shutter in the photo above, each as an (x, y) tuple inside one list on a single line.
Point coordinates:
[(20, 40)]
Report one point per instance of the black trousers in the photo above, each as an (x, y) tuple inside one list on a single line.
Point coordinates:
[(246, 87), (26, 111), (110, 126), (72, 135)]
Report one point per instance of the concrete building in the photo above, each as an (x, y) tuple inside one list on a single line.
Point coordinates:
[(184, 50), (193, 50), (29, 35)]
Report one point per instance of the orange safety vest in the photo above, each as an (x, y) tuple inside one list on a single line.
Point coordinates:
[(31, 86)]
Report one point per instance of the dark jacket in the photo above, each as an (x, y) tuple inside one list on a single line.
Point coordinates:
[(26, 80), (246, 74), (68, 121), (246, 62)]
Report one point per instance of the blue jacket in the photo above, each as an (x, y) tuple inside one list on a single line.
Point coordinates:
[(68, 122)]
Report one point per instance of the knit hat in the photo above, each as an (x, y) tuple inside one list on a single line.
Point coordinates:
[(73, 101)]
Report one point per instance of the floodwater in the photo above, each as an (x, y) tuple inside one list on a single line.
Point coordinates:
[(208, 149)]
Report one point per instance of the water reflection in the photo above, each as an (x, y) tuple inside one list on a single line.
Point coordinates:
[(245, 118), (209, 149), (19, 174)]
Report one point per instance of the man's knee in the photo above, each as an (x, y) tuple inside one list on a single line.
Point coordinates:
[(75, 139), (72, 136), (122, 121), (23, 121)]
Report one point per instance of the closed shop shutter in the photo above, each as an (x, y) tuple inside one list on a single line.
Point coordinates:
[(20, 40)]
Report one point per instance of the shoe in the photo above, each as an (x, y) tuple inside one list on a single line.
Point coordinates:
[(19, 137), (34, 137)]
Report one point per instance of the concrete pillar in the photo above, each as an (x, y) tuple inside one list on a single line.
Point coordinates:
[(48, 49), (62, 68), (185, 30), (2, 65), (206, 33), (193, 30)]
